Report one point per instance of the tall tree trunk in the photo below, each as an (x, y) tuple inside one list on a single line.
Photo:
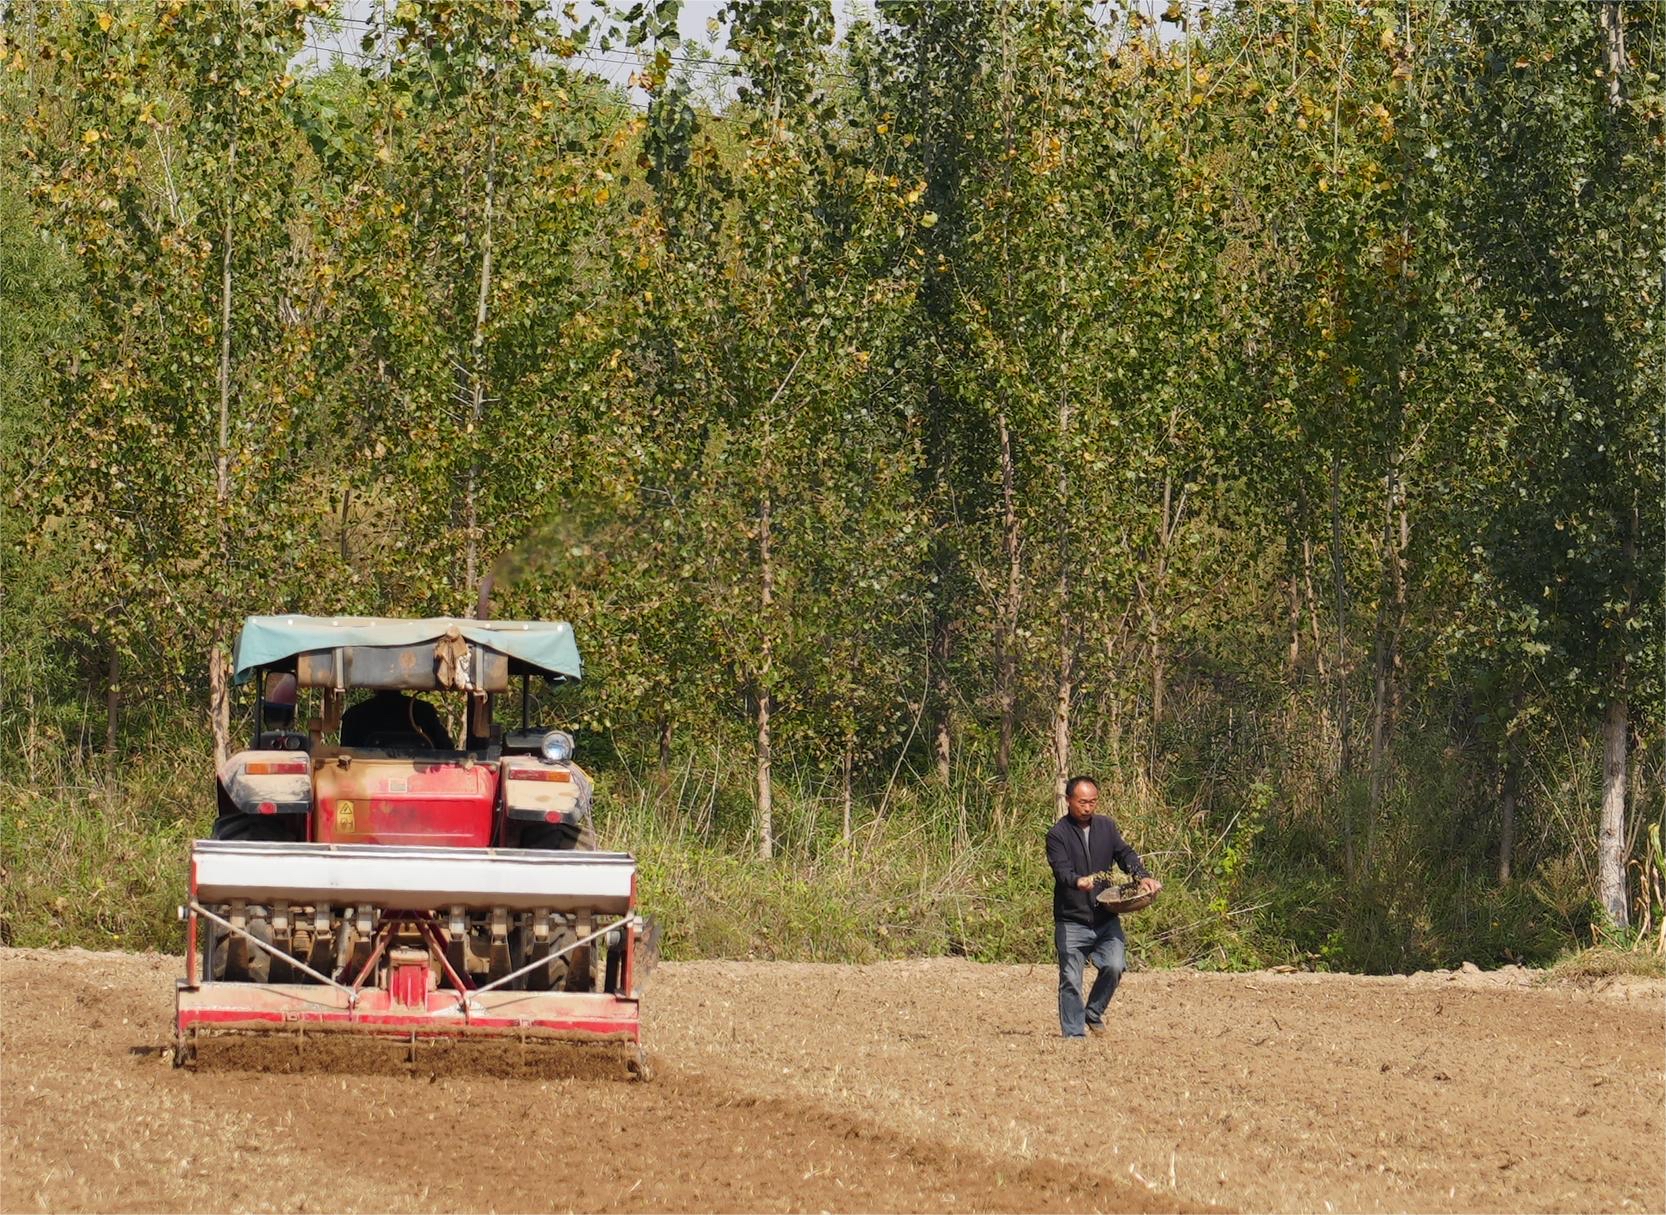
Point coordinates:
[(1170, 511), (1159, 678), (112, 699), (942, 687), (1391, 609), (346, 524), (1390, 622), (941, 151), (1509, 793), (1611, 25), (1611, 837), (1293, 615), (219, 696), (219, 699), (1344, 758), (1061, 727), (662, 733), (1007, 629), (1311, 600), (1166, 521), (1063, 687), (1005, 638), (477, 377), (1616, 722), (845, 800), (766, 599), (222, 452), (1612, 842)]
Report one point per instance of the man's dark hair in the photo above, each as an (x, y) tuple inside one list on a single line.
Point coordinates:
[(1070, 785)]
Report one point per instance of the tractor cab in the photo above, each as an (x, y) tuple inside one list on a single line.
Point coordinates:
[(377, 731)]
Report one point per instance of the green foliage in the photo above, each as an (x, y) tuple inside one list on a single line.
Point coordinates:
[(91, 852), (1262, 411)]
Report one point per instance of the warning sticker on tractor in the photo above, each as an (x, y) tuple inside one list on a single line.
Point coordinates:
[(345, 820)]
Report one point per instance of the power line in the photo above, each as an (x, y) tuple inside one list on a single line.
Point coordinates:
[(361, 56), (617, 55), (612, 64)]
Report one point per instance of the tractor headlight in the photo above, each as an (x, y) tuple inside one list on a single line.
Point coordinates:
[(557, 746)]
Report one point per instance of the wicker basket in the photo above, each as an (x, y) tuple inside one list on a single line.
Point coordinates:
[(1125, 898)]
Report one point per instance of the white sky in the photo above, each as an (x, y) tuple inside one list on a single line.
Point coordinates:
[(617, 64)]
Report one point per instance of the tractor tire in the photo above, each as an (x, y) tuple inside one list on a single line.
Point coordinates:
[(581, 975), (555, 975), (234, 961)]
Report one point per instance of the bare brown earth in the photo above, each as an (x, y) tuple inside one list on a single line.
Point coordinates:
[(932, 1085)]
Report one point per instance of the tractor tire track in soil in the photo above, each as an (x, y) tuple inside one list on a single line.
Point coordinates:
[(928, 1085)]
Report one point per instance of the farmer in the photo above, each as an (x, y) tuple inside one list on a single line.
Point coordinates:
[(1080, 849)]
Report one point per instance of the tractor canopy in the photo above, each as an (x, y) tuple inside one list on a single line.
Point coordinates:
[(379, 652)]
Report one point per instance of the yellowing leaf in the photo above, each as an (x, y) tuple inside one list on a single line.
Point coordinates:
[(928, 220), (90, 136), (105, 20)]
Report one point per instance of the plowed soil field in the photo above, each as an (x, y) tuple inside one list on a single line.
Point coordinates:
[(932, 1085)]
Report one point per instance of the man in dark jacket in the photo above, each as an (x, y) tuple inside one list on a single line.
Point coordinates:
[(1080, 846)]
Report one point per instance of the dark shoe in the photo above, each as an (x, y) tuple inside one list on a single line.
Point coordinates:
[(1097, 1029)]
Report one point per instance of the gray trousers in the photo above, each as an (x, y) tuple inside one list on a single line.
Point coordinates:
[(1077, 944)]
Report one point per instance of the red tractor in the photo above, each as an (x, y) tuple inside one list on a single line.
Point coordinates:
[(368, 873)]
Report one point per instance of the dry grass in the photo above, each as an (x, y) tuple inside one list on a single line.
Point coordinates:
[(1606, 962)]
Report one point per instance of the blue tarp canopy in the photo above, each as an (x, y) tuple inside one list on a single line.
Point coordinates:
[(547, 645)]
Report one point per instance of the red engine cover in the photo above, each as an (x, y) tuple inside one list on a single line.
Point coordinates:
[(401, 801)]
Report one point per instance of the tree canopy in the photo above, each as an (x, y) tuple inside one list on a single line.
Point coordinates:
[(1263, 403)]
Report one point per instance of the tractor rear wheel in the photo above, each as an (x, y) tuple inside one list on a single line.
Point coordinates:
[(555, 975), (232, 959)]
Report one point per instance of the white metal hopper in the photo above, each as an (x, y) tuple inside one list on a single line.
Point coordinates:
[(413, 877)]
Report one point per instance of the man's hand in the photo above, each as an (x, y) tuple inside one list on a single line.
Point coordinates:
[(1150, 885), (1084, 883)]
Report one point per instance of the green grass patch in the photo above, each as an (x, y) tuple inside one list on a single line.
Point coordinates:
[(95, 855), (98, 858)]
